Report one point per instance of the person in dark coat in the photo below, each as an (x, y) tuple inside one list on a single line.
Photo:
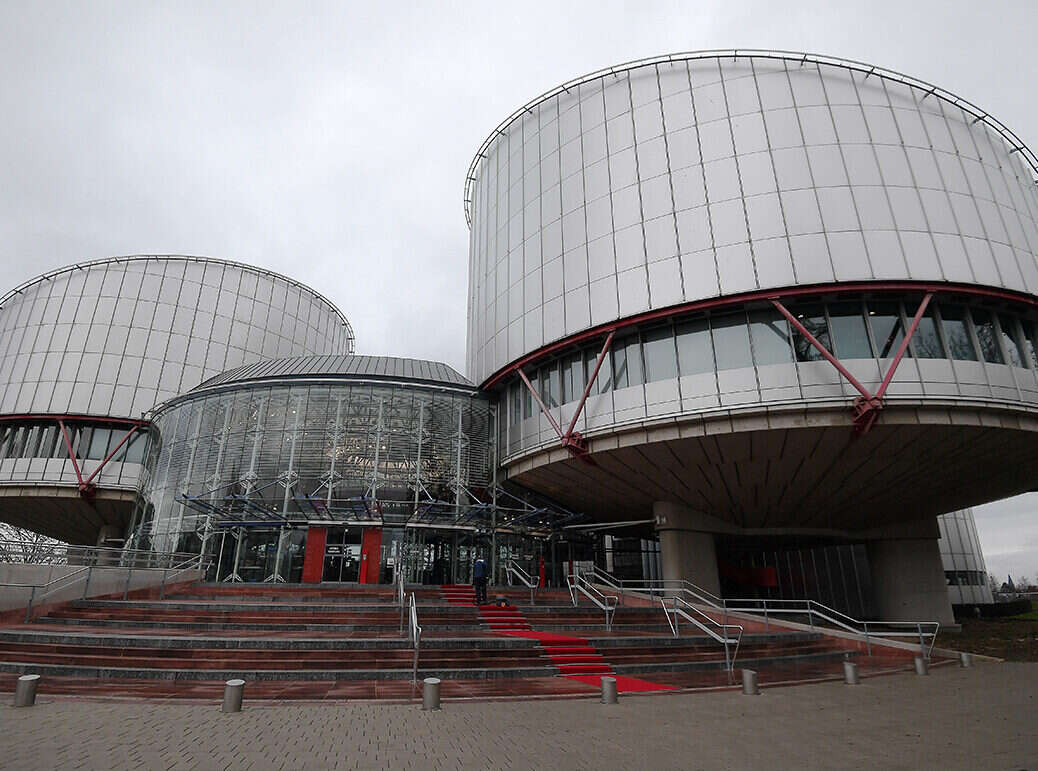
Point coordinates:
[(479, 580)]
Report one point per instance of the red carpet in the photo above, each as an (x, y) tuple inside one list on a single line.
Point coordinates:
[(574, 657)]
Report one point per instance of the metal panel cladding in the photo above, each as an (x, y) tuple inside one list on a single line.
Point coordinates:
[(114, 337), (700, 175)]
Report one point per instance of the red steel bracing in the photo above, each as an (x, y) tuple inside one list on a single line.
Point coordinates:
[(867, 406), (86, 486), (574, 442)]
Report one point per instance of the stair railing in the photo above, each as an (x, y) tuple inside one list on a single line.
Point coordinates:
[(596, 575), (531, 583), (815, 611), (400, 599), (197, 562), (607, 603), (416, 638), (679, 607)]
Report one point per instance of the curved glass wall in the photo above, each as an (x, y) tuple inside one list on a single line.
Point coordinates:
[(385, 454), (731, 346)]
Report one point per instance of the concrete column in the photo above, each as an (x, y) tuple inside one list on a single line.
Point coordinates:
[(687, 545), (108, 531), (908, 578)]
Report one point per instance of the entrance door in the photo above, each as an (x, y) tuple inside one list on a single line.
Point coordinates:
[(370, 555), (341, 555)]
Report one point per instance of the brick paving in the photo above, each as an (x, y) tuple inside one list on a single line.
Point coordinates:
[(976, 718)]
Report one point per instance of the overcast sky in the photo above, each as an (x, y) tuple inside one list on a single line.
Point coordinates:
[(329, 141)]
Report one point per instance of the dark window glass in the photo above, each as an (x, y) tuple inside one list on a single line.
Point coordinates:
[(48, 440), (554, 386), (769, 334), (888, 329), (927, 341), (813, 319), (604, 380), (635, 372), (528, 398), (661, 362), (21, 433), (850, 333), (731, 341), (5, 435), (138, 444), (1030, 341), (99, 440), (572, 378), (517, 404), (619, 365), (987, 336), (957, 333), (695, 351), (32, 442), (1016, 352)]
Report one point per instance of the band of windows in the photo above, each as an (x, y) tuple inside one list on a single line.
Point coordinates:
[(88, 441), (849, 329)]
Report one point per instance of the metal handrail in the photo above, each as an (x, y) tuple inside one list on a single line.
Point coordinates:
[(770, 607), (99, 556), (531, 583), (605, 602), (195, 563), (722, 637), (416, 638)]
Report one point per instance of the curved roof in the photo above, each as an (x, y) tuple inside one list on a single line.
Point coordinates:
[(981, 115), (177, 257), (352, 366)]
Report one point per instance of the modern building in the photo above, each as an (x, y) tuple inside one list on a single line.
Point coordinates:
[(749, 319), (760, 299), (87, 349), (964, 567)]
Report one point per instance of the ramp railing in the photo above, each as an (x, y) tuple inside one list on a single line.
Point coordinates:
[(512, 569), (682, 608), (607, 603), (416, 637)]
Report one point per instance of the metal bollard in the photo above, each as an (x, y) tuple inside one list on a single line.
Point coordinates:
[(922, 666), (609, 695), (232, 695), (965, 660), (749, 683), (850, 673), (431, 694), (25, 690)]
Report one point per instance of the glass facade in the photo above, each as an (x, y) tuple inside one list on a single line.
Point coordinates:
[(346, 451), (964, 567)]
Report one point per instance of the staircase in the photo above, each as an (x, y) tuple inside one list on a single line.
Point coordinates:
[(345, 642)]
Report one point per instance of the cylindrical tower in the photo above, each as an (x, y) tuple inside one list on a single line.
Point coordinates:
[(760, 293), (87, 349)]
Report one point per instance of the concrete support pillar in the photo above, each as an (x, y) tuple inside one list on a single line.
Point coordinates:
[(908, 577), (687, 546), (108, 531)]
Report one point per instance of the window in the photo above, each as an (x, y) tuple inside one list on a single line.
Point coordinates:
[(604, 380), (1030, 341), (627, 363), (957, 333), (695, 351), (850, 332), (987, 336), (528, 398), (573, 381), (517, 404), (888, 329), (619, 365), (813, 319), (927, 341), (769, 335), (661, 361), (731, 341), (1016, 352)]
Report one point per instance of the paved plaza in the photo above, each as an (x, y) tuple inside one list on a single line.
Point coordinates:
[(974, 718)]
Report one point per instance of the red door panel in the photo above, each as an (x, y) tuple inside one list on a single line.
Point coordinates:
[(370, 555), (313, 557)]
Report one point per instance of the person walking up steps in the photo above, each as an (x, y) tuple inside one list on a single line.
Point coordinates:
[(479, 580)]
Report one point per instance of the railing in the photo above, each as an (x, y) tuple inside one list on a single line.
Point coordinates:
[(17, 552), (605, 602), (814, 611), (40, 592), (400, 599), (416, 638), (682, 608), (531, 583)]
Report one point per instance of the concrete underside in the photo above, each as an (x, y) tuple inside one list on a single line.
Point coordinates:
[(59, 511), (802, 468)]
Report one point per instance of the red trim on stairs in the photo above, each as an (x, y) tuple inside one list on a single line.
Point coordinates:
[(574, 657)]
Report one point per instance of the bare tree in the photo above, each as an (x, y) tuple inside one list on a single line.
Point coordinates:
[(20, 545)]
